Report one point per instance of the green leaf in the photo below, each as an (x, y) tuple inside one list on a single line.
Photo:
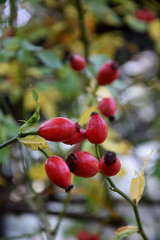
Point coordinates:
[(29, 46), (12, 44), (35, 95), (50, 59), (68, 83), (26, 57), (125, 231), (135, 24), (32, 121), (99, 7), (5, 55), (124, 235)]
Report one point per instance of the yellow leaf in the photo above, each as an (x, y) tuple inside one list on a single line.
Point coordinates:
[(37, 171), (4, 68), (55, 31), (14, 72), (125, 229), (103, 92), (138, 184), (47, 101), (122, 172), (51, 3), (34, 72), (145, 162), (154, 29), (85, 116), (92, 85), (34, 142), (112, 134), (137, 188), (122, 146), (106, 43)]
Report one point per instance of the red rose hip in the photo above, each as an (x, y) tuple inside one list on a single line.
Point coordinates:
[(77, 138), (83, 164), (108, 73), (58, 172), (109, 164), (77, 62), (108, 107), (57, 129), (145, 14), (97, 130)]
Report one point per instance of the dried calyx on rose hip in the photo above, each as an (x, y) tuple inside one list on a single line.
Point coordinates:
[(108, 107), (96, 130), (58, 129), (77, 62), (58, 172), (83, 164), (78, 137), (109, 164), (108, 72)]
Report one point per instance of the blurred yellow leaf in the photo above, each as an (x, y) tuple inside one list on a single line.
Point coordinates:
[(3, 68), (37, 171), (154, 29), (103, 92), (71, 14), (138, 184), (90, 20), (51, 3), (85, 116), (107, 44), (34, 72), (47, 101), (112, 134), (14, 72), (92, 85), (121, 146), (55, 31), (34, 142), (122, 172), (126, 229)]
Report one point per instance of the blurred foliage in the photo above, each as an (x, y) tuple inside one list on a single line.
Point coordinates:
[(36, 38)]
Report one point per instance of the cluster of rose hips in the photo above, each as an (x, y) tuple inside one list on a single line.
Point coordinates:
[(80, 163), (60, 129)]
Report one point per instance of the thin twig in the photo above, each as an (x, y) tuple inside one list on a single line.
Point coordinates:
[(65, 205), (83, 29), (14, 139), (128, 199), (115, 189)]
